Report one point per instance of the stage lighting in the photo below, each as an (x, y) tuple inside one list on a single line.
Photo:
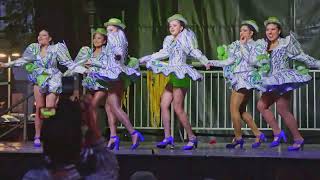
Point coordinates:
[(2, 55), (15, 54)]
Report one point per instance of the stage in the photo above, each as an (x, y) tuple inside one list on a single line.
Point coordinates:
[(206, 162)]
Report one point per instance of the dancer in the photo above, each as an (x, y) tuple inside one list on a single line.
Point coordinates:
[(40, 60), (238, 72), (107, 75), (281, 79), (181, 43), (93, 60)]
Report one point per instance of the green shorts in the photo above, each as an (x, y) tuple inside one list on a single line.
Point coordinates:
[(179, 83)]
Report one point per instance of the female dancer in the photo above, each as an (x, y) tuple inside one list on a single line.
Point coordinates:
[(282, 79), (177, 46), (41, 63), (93, 60), (106, 76), (238, 72)]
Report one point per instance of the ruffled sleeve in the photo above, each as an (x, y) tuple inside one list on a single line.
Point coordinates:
[(231, 51), (260, 58), (82, 57), (222, 63), (190, 45), (64, 58), (160, 55), (29, 55), (295, 52), (63, 55), (118, 44), (259, 55)]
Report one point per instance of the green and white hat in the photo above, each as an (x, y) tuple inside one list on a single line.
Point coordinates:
[(101, 31), (252, 23), (178, 17), (114, 22), (272, 19)]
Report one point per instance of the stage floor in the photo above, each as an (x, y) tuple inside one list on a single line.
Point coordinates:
[(311, 151), (212, 162)]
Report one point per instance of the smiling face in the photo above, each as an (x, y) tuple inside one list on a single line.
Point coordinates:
[(175, 27), (44, 38), (99, 40), (273, 32), (245, 32)]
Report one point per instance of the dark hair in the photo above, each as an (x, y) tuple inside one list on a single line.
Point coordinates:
[(251, 29), (280, 35), (61, 134), (119, 28), (49, 33), (182, 24)]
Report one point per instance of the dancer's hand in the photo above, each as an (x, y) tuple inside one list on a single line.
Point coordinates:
[(243, 40), (141, 61), (86, 72), (117, 57), (144, 59), (208, 66), (88, 64)]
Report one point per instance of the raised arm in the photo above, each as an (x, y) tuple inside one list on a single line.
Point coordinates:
[(226, 55), (29, 55), (160, 55), (295, 52), (82, 57), (190, 45), (64, 58)]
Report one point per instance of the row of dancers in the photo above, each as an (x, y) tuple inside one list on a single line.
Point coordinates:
[(248, 64)]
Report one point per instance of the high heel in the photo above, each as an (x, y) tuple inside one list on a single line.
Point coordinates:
[(166, 141), (36, 142), (262, 138), (140, 139), (235, 143), (194, 145), (299, 143), (114, 145), (280, 136)]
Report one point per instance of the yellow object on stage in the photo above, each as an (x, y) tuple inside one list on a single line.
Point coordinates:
[(156, 84), (125, 97)]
